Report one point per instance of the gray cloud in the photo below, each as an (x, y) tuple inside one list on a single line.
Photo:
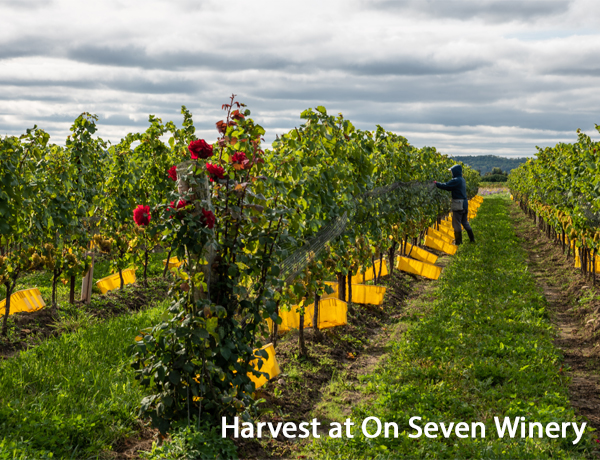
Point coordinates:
[(495, 11), (134, 56), (470, 85), (170, 85), (25, 4), (25, 46), (411, 67)]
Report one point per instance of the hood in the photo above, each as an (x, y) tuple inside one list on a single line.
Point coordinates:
[(456, 170)]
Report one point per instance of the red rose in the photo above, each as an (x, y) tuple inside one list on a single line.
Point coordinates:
[(141, 215), (240, 161), (180, 205), (239, 157), (173, 172), (200, 149), (215, 171), (237, 115), (208, 218)]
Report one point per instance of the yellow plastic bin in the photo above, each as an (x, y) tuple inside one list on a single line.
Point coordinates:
[(447, 224), (114, 282), (368, 275), (440, 245), (363, 294), (174, 262), (578, 261), (420, 254), (418, 268), (26, 300), (448, 231), (439, 235), (269, 366), (334, 294), (332, 312)]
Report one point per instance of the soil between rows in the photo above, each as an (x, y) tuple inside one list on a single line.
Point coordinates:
[(304, 389), (574, 305), (32, 328)]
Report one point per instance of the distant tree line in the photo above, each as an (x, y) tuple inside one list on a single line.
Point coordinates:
[(495, 175), (486, 163)]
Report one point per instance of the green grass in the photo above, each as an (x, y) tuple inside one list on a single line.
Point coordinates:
[(42, 279), (484, 349), (73, 395)]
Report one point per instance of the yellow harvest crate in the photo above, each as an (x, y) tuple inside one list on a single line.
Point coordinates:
[(440, 245), (269, 366), (332, 312), (368, 275), (439, 235), (448, 231), (361, 293), (174, 262), (114, 282), (578, 261), (26, 300), (335, 287), (418, 268), (420, 254)]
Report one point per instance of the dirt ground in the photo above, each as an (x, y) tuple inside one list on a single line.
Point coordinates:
[(325, 385), (574, 304), (332, 388), (29, 329)]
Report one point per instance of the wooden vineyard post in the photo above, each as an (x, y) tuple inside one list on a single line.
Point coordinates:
[(301, 343), (341, 286), (72, 290), (350, 287), (594, 267), (86, 283), (318, 334), (374, 271), (198, 194), (392, 250), (10, 287), (275, 330)]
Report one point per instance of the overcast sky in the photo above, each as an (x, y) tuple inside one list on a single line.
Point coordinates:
[(466, 76)]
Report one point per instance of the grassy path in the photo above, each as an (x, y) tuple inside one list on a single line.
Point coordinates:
[(483, 347), (72, 396)]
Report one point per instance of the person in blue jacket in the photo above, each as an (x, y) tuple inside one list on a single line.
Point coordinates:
[(458, 186)]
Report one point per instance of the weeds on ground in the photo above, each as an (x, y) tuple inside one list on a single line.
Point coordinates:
[(73, 395), (484, 349)]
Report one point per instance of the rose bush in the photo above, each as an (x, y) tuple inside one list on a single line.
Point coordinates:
[(173, 172), (215, 171), (200, 149), (141, 215)]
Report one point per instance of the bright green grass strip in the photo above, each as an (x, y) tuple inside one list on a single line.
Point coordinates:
[(73, 395), (485, 349), (42, 279)]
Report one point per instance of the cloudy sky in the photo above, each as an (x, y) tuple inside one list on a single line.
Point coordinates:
[(466, 76)]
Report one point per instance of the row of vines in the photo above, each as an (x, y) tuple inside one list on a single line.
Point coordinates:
[(560, 190), (233, 212)]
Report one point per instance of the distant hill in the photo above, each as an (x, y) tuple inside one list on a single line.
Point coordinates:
[(485, 163)]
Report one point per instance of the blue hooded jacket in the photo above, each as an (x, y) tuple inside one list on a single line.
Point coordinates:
[(457, 185)]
